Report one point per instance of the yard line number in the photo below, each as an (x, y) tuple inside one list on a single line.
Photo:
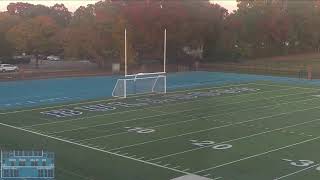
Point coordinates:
[(210, 144), (301, 163), (140, 130)]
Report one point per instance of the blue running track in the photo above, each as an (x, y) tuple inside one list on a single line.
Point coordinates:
[(33, 93)]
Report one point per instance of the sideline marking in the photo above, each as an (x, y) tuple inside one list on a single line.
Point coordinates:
[(94, 148)]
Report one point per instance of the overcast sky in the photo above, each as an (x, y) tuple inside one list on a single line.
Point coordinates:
[(72, 5)]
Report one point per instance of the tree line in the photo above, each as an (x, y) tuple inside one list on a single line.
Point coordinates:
[(197, 30)]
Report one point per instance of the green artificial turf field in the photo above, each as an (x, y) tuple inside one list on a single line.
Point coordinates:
[(249, 131)]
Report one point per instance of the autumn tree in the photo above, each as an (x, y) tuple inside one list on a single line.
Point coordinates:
[(7, 21), (34, 36)]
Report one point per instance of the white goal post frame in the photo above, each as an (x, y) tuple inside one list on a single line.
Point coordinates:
[(154, 75)]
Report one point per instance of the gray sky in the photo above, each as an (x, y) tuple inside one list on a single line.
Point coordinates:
[(72, 5)]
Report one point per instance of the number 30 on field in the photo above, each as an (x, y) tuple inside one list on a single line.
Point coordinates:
[(302, 163)]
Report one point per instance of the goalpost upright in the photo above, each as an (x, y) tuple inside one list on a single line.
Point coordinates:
[(165, 59), (165, 50), (125, 63), (125, 53), (157, 77)]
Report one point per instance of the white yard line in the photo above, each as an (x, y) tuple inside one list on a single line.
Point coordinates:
[(297, 172), (192, 119), (258, 155), (175, 112), (150, 108), (234, 140), (209, 129), (94, 148), (115, 99), (217, 178)]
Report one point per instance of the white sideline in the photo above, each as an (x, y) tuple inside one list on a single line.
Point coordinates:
[(175, 112), (260, 154), (149, 108), (93, 148), (236, 139), (218, 127), (297, 172), (114, 99), (193, 119)]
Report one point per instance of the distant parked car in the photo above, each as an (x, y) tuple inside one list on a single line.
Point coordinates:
[(53, 58), (8, 68)]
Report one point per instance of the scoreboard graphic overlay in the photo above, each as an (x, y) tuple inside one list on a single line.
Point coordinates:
[(29, 165)]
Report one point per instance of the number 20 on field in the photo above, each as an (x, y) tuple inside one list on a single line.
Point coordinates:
[(211, 144)]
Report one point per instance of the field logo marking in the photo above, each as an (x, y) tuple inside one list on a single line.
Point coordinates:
[(145, 102), (62, 113), (96, 108)]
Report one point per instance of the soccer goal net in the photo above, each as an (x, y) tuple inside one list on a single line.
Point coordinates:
[(140, 83)]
